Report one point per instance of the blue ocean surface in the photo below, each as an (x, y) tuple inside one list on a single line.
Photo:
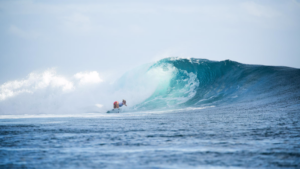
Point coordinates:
[(202, 114)]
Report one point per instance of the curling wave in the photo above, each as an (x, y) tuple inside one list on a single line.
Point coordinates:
[(200, 82)]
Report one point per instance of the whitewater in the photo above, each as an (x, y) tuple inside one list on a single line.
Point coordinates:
[(182, 113)]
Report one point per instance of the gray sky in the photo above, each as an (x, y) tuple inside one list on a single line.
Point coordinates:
[(114, 36)]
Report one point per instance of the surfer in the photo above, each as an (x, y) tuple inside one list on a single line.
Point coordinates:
[(117, 104)]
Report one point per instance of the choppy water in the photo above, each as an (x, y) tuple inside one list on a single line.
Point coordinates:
[(217, 137)]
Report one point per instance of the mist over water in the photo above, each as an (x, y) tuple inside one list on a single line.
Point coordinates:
[(86, 92)]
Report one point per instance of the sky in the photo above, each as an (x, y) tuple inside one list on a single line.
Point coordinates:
[(69, 43)]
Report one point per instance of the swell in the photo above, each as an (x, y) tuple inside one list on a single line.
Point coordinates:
[(201, 82)]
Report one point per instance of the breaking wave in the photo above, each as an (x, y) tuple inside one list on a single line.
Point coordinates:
[(201, 82), (171, 83)]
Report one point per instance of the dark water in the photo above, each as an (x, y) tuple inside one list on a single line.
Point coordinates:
[(236, 136)]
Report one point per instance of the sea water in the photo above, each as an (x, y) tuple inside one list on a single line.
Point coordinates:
[(183, 113), (214, 137)]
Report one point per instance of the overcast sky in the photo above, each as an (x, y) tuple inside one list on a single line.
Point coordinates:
[(114, 36)]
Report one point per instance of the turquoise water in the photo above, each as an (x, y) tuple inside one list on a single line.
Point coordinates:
[(201, 114)]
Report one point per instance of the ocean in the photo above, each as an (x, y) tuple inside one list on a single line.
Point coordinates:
[(197, 114)]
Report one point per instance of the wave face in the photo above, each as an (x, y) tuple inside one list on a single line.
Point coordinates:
[(201, 82)]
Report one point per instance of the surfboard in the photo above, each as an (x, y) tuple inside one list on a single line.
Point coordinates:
[(113, 111)]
